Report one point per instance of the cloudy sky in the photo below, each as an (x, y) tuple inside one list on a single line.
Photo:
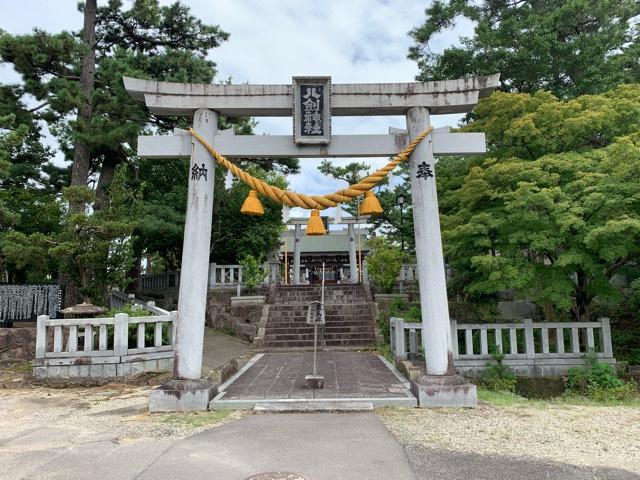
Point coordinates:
[(271, 41)]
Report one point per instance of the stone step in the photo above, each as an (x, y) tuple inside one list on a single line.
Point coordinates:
[(318, 292), (348, 330), (272, 344), (278, 317), (327, 286), (344, 308), (326, 337), (349, 320), (332, 322), (332, 329), (312, 406), (281, 326), (315, 298), (283, 317)]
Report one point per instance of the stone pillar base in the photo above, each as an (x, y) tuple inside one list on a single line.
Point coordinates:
[(452, 391), (182, 396)]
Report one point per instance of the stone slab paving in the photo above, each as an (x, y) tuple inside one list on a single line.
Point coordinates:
[(349, 376)]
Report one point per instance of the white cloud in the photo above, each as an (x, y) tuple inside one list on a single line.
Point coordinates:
[(352, 41)]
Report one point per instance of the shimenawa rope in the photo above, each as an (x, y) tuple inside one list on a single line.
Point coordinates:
[(320, 202)]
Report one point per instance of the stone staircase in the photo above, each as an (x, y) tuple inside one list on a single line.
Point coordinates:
[(348, 314)]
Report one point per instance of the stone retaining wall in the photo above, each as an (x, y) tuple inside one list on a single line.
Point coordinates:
[(17, 343), (242, 320)]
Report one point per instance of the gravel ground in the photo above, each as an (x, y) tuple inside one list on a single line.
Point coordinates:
[(577, 435), (116, 409)]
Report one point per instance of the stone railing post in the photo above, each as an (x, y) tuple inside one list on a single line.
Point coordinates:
[(454, 338), (392, 335), (212, 275), (41, 336), (174, 326), (400, 350), (605, 338), (121, 334), (529, 341)]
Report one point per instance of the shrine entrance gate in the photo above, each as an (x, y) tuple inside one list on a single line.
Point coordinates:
[(311, 138)]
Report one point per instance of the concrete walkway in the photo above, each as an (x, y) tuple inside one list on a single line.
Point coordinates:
[(317, 446)]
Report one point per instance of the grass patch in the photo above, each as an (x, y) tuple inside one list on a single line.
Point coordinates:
[(569, 399), (385, 351), (504, 399), (508, 399), (199, 419), (20, 366)]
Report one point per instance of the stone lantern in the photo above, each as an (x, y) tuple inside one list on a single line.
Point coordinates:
[(82, 310)]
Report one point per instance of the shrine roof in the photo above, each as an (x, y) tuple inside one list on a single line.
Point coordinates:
[(332, 242)]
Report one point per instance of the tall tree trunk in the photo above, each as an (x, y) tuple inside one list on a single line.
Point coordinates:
[(583, 299), (81, 152), (70, 288), (111, 161)]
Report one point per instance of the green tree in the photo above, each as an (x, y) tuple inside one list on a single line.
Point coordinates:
[(569, 47), (253, 272), (383, 263), (76, 79), (28, 185), (234, 235), (351, 173), (389, 222), (394, 223), (553, 212)]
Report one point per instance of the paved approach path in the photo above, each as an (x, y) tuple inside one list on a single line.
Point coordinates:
[(348, 376)]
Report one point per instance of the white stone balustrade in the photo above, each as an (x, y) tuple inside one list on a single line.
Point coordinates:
[(159, 281), (529, 348), (220, 276), (99, 347), (409, 273), (224, 275)]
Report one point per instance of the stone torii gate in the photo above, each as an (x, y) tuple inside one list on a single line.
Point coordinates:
[(204, 103)]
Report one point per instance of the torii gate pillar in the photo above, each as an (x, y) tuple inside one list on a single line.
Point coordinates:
[(440, 387), (187, 390)]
